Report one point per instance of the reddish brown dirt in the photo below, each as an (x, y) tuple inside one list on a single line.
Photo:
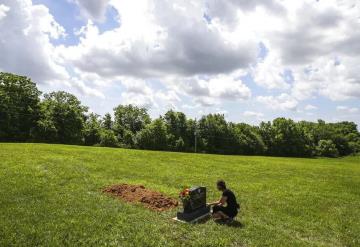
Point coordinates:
[(138, 193)]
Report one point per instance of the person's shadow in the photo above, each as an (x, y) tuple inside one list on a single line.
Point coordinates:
[(234, 223)]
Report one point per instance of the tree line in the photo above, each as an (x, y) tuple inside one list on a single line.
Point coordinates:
[(59, 117)]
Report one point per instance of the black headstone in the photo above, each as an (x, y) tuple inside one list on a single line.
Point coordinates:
[(197, 199), (196, 205)]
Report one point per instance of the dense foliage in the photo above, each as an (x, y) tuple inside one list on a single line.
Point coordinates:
[(19, 107), (61, 118)]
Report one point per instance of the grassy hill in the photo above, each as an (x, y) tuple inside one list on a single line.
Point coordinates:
[(50, 195)]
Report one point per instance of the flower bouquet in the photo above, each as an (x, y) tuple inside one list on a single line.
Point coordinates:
[(185, 198)]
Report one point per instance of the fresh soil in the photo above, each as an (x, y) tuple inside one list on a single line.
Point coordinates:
[(139, 194)]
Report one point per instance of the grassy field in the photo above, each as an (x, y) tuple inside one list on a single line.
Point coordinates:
[(50, 195)]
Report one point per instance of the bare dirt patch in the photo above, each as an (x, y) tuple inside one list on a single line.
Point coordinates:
[(138, 193)]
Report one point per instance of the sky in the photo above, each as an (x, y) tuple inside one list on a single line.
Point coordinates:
[(252, 61)]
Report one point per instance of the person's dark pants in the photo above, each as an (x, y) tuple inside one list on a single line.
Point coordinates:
[(225, 210)]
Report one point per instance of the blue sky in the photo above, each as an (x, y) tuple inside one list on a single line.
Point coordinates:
[(250, 60)]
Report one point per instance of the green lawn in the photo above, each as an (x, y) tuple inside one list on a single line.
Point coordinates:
[(50, 195)]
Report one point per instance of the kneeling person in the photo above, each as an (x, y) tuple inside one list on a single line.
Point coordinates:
[(229, 211)]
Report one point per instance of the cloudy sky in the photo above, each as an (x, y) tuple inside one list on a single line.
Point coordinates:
[(251, 60)]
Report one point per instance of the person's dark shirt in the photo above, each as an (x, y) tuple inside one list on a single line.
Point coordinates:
[(231, 200)]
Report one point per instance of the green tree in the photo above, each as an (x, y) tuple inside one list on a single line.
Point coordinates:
[(62, 119), (247, 139), (107, 122), (215, 135), (284, 137), (108, 138), (153, 136), (92, 130), (131, 118), (176, 125), (180, 144), (310, 130), (354, 142), (327, 148), (19, 107), (128, 139), (267, 135), (344, 136), (191, 128)]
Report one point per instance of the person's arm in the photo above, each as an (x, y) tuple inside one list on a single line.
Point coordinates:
[(222, 201), (213, 203)]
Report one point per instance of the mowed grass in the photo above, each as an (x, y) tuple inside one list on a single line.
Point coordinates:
[(50, 195)]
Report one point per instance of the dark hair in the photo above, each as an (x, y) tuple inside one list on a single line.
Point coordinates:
[(221, 183)]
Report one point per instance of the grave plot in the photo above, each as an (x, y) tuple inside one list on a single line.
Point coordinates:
[(139, 194)]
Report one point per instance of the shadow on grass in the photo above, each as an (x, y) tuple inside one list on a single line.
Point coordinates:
[(234, 223), (203, 220)]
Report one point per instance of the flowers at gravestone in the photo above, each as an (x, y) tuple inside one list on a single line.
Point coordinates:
[(185, 195)]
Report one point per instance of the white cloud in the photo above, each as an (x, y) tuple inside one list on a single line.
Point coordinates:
[(137, 92), (318, 45), (26, 48), (253, 114), (206, 101), (157, 39), (310, 107), (211, 90), (170, 98), (228, 11), (332, 78), (283, 102), (136, 86), (228, 88), (347, 109), (195, 51), (93, 9), (269, 73), (145, 101), (81, 87), (141, 93), (3, 10)]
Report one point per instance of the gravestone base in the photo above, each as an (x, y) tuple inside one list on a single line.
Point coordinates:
[(188, 217)]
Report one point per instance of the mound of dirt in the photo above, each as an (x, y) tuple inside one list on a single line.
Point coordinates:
[(138, 193)]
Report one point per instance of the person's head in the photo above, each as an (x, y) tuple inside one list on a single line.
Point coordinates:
[(220, 184)]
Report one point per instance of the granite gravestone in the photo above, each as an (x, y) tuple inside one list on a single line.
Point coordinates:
[(196, 206)]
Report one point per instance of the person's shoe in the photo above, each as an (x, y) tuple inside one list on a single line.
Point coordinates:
[(229, 220)]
